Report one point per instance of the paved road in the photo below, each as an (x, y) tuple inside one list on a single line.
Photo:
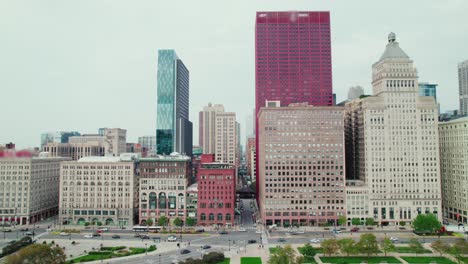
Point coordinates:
[(17, 234)]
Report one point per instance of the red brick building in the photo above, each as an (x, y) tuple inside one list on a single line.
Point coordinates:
[(216, 192)]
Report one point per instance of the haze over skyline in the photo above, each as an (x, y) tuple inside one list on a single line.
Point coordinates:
[(90, 64)]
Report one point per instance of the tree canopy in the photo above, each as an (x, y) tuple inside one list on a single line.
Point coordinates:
[(330, 246), (387, 246), (162, 221), (347, 246), (191, 221), (426, 223), (368, 244), (178, 222), (285, 255), (38, 254)]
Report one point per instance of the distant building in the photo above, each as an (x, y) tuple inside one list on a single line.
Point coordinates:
[(463, 87), (357, 201), (355, 92), (163, 187), (136, 148), (249, 156), (301, 164), (117, 139), (207, 127), (99, 189), (192, 200), (57, 137), (428, 89), (173, 128), (31, 188), (453, 141), (148, 143), (75, 151), (216, 192)]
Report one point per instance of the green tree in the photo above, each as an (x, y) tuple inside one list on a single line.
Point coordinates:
[(402, 223), (178, 222), (439, 246), (457, 250), (370, 221), (149, 222), (347, 246), (38, 253), (426, 223), (307, 250), (355, 221), (387, 246), (368, 244), (162, 221), (342, 220), (330, 246), (416, 246), (286, 255), (191, 221)]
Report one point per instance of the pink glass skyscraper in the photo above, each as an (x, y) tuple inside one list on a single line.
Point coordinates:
[(292, 59)]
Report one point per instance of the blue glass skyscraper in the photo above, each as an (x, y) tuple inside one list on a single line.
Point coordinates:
[(428, 89), (173, 128)]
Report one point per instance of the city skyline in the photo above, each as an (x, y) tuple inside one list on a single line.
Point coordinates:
[(103, 53)]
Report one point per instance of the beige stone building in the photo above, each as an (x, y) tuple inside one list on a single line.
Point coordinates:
[(301, 164), (99, 189), (453, 141), (393, 144), (357, 201), (117, 139), (75, 151), (207, 127), (29, 188)]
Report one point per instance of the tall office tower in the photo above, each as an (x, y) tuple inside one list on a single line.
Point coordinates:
[(148, 143), (218, 133), (216, 192), (301, 164), (463, 87), (453, 140), (57, 137), (354, 92), (392, 142), (117, 139), (31, 188), (292, 59), (99, 189), (207, 127), (163, 186), (173, 128)]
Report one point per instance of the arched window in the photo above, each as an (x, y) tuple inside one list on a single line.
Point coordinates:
[(228, 217), (220, 217), (152, 200), (203, 217), (211, 217)]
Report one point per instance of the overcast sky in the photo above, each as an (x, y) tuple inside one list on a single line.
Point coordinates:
[(81, 65)]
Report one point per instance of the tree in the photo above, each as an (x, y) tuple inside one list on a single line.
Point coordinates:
[(330, 246), (162, 221), (38, 253), (213, 257), (426, 223), (347, 246), (458, 249), (368, 244), (286, 255), (439, 246), (402, 223), (370, 221), (191, 221), (178, 222), (416, 246), (342, 220), (307, 250), (387, 246), (149, 222), (355, 221)]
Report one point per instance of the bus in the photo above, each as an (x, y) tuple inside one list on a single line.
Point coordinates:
[(146, 228)]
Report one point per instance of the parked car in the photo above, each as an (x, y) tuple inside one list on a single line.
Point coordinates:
[(354, 229), (7, 230), (96, 235), (24, 229), (252, 241), (30, 233), (103, 229), (144, 237), (115, 236), (336, 231), (88, 236), (184, 251), (315, 240), (206, 247), (224, 232), (394, 239), (64, 234), (281, 239), (172, 239), (200, 230)]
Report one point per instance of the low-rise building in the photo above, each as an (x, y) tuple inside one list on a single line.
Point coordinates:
[(99, 189), (357, 201)]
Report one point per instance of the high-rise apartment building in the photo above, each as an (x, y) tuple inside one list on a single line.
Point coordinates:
[(453, 141), (292, 59), (392, 142), (301, 164), (463, 87), (57, 137), (29, 188), (163, 187), (148, 143), (219, 133), (99, 189), (117, 139), (173, 128), (216, 192)]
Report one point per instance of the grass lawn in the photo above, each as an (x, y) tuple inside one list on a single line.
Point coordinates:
[(92, 257), (253, 260), (439, 260), (112, 252), (350, 260), (226, 261), (273, 250), (409, 250), (309, 260)]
